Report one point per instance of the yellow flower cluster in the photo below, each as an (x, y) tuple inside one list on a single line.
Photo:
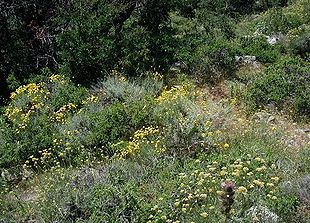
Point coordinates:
[(157, 76), (91, 99), (53, 157), (28, 99), (56, 78), (31, 90), (20, 112), (141, 137), (242, 190), (61, 114), (198, 189), (173, 94)]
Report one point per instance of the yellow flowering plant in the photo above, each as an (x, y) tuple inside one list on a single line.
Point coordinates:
[(35, 112), (198, 190)]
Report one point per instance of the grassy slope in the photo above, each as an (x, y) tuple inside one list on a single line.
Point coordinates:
[(134, 189)]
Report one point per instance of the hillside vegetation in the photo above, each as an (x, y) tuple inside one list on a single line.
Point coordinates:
[(155, 111)]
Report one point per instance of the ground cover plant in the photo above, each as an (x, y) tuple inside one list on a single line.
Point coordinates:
[(179, 168)]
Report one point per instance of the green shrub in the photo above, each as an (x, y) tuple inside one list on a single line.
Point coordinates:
[(58, 123), (287, 205), (264, 5), (103, 36), (33, 115), (117, 190), (259, 47), (110, 124), (212, 61), (118, 89), (286, 85), (301, 45), (8, 154), (282, 19)]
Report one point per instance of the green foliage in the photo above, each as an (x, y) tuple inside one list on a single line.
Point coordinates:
[(215, 61), (128, 149), (25, 41), (86, 46), (148, 188), (7, 150), (111, 124), (276, 21), (173, 170), (95, 194), (259, 47), (286, 86), (62, 94), (287, 204), (51, 118), (301, 44), (119, 38), (264, 5), (33, 114), (197, 192)]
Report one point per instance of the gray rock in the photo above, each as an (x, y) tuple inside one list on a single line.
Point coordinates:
[(275, 38), (304, 190), (11, 175), (264, 117), (247, 60), (262, 214)]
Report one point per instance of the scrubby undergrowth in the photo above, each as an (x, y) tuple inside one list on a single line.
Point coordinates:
[(172, 155)]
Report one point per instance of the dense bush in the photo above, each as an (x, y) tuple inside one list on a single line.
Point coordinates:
[(89, 39), (131, 37), (109, 122), (92, 38), (300, 44), (213, 61), (26, 40), (64, 123), (33, 114), (286, 86), (259, 47), (110, 125), (185, 124)]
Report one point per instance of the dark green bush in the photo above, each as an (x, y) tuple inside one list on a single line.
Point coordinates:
[(287, 205), (118, 122), (26, 41), (104, 36), (281, 20), (286, 86), (8, 154), (58, 115), (30, 123), (110, 124), (301, 45), (259, 47), (213, 60), (264, 5), (65, 93)]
